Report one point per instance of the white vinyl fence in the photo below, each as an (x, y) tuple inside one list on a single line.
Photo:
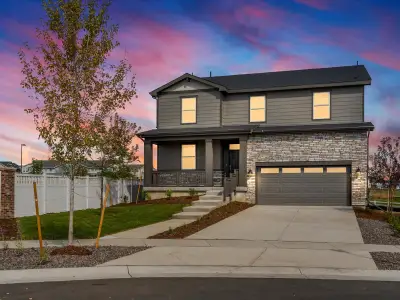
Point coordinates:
[(53, 193)]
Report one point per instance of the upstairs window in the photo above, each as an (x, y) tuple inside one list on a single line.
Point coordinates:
[(188, 157), (321, 106), (188, 110), (257, 109)]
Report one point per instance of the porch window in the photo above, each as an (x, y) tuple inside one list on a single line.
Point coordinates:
[(188, 110), (188, 157), (321, 106), (257, 109)]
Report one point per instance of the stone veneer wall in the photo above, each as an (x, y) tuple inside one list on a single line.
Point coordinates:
[(327, 146), (7, 193)]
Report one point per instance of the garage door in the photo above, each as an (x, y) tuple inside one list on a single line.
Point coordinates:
[(308, 185)]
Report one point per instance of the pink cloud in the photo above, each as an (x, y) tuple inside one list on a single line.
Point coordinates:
[(384, 57), (318, 4), (292, 62)]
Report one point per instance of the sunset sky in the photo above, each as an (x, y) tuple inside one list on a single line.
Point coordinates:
[(163, 39)]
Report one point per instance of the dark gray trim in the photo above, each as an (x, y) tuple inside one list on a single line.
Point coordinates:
[(253, 129), (188, 91), (249, 109), (344, 163), (363, 104), (312, 105), (155, 92), (180, 108), (195, 138), (300, 87)]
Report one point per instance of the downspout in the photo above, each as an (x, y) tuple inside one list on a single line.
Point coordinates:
[(368, 132)]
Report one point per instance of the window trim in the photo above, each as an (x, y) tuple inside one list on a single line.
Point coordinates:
[(330, 105), (195, 156), (181, 108), (265, 109)]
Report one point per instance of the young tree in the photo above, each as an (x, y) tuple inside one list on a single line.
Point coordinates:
[(385, 167), (71, 82), (37, 166), (114, 149)]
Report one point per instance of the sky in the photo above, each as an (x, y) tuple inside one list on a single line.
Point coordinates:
[(164, 39)]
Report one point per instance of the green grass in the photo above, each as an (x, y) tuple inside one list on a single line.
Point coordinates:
[(86, 222), (382, 194)]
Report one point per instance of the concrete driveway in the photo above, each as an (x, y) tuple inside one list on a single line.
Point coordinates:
[(288, 223)]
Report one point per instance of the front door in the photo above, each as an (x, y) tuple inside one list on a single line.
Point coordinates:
[(231, 160)]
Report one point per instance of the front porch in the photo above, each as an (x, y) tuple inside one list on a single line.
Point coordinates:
[(196, 162)]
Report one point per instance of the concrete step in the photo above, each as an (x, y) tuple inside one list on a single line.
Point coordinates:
[(214, 192), (207, 202), (211, 197), (198, 208), (189, 215)]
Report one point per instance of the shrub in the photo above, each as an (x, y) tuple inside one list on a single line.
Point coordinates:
[(168, 194), (146, 195), (193, 192), (394, 221)]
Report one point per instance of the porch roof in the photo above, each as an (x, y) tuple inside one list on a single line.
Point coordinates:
[(249, 129)]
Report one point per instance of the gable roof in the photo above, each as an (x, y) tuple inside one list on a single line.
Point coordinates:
[(282, 80), (308, 78), (183, 77), (9, 164)]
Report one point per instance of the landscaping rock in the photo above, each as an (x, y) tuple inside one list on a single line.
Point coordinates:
[(209, 219), (13, 259), (386, 260)]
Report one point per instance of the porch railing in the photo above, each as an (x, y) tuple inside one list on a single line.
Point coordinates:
[(179, 178)]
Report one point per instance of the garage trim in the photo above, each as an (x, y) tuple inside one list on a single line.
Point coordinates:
[(347, 163)]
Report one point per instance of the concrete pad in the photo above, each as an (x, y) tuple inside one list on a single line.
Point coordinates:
[(239, 243), (345, 274), (365, 247), (149, 230), (123, 242), (64, 274), (302, 245), (268, 272), (255, 223), (190, 256), (179, 271), (176, 243), (316, 259)]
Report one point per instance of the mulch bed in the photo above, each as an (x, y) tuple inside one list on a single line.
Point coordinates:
[(375, 229), (71, 250), (15, 259), (172, 200), (386, 260), (8, 229), (211, 218)]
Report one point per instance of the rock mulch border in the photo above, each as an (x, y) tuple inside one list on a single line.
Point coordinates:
[(17, 259), (209, 219), (375, 229), (386, 260)]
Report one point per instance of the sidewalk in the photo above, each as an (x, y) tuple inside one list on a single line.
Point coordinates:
[(117, 272)]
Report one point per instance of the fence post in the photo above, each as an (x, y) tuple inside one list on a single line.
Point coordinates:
[(44, 178), (87, 191), (118, 190), (67, 193)]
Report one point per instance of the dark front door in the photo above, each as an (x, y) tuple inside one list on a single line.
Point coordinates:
[(231, 161)]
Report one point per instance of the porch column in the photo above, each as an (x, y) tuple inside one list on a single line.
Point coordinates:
[(148, 163), (209, 165), (243, 162)]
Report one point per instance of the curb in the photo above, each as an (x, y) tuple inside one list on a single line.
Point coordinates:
[(121, 272)]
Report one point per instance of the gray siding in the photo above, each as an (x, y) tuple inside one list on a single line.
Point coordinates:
[(295, 107), (208, 109), (169, 156)]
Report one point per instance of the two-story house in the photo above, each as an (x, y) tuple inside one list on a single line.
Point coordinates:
[(293, 137)]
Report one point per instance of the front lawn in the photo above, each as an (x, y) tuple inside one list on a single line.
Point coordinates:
[(86, 222)]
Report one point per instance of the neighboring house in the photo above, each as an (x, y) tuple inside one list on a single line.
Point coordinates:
[(52, 167), (294, 137), (9, 164)]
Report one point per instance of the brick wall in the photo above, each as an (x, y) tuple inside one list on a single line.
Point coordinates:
[(7, 193), (329, 146)]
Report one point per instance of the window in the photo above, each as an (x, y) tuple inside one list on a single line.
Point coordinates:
[(234, 146), (321, 106), (188, 157), (257, 109), (188, 110), (291, 170), (269, 170), (314, 170), (336, 170)]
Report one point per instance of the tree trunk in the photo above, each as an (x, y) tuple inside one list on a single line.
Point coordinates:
[(71, 212), (101, 191)]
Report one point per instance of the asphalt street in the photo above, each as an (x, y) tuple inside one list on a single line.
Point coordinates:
[(202, 288)]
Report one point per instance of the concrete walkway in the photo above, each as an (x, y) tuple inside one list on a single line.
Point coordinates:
[(287, 223)]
